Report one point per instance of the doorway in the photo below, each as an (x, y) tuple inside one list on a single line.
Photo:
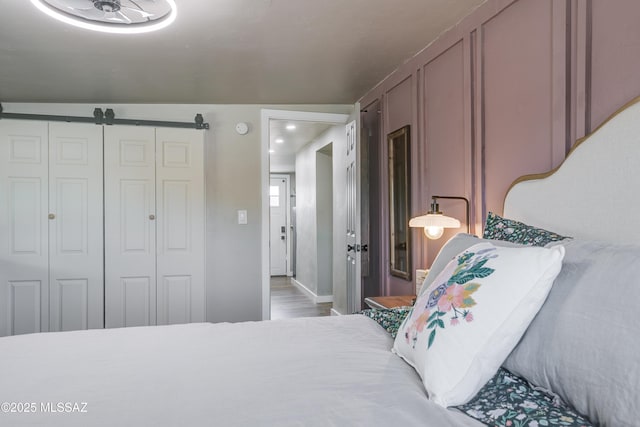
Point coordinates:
[(371, 217), (280, 224), (269, 116)]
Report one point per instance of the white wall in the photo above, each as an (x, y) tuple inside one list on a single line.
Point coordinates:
[(307, 200), (233, 177), (324, 221), (282, 163), (306, 217)]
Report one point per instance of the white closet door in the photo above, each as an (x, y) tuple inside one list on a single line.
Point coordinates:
[(130, 232), (180, 194), (24, 290), (76, 281)]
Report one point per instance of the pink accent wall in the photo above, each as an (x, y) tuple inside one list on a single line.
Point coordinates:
[(518, 97), (447, 148), (398, 111), (615, 56), (502, 94)]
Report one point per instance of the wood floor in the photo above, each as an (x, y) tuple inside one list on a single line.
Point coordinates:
[(287, 301)]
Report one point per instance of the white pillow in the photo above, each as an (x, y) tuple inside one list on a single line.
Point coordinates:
[(472, 315)]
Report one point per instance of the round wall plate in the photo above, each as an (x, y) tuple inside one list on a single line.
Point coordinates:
[(242, 128)]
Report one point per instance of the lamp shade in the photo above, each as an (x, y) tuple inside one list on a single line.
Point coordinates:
[(434, 224), (434, 220)]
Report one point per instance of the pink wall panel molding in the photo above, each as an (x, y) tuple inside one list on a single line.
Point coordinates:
[(505, 93)]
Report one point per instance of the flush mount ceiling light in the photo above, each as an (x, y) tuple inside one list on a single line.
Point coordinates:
[(111, 16)]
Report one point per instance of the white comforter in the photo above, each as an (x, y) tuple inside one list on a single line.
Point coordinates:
[(335, 371)]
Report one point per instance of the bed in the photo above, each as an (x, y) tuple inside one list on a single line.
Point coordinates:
[(312, 372), (341, 371)]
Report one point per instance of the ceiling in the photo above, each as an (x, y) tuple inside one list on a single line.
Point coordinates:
[(285, 142), (293, 139), (221, 52)]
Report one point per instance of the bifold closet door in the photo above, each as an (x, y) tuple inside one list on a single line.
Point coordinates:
[(180, 202), (76, 280), (51, 249), (154, 226), (24, 258), (130, 232)]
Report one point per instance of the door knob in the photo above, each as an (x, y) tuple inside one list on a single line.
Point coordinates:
[(52, 216), (152, 217)]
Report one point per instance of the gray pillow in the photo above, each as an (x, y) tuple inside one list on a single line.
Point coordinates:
[(584, 344), (452, 248)]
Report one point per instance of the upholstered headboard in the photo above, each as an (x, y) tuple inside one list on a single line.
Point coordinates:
[(595, 193)]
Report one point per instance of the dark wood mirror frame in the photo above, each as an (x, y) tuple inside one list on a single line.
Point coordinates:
[(399, 203)]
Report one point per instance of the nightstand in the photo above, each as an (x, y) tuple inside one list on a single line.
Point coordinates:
[(390, 302)]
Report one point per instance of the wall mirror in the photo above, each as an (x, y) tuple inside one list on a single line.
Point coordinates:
[(399, 208)]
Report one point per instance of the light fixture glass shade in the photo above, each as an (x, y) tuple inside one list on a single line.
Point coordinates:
[(434, 224), (434, 220), (111, 16)]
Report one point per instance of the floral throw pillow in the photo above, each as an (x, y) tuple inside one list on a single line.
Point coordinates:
[(510, 401), (472, 315), (498, 228), (390, 319)]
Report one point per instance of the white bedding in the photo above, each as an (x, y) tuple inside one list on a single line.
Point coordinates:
[(304, 372)]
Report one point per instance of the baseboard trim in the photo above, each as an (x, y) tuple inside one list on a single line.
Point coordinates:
[(324, 298), (317, 299), (334, 312)]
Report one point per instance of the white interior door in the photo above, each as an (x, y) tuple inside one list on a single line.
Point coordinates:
[(180, 225), (353, 222), (130, 226), (278, 224), (24, 287), (76, 284)]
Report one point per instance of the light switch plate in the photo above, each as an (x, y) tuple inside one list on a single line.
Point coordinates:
[(242, 217)]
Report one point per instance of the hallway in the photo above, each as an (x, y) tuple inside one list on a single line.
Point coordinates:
[(287, 301)]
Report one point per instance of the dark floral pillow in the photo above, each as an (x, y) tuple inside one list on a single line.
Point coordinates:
[(510, 401), (390, 319), (506, 400), (498, 228)]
